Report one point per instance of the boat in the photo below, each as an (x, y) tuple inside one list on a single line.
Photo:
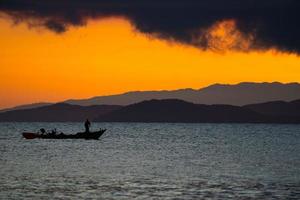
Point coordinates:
[(81, 135)]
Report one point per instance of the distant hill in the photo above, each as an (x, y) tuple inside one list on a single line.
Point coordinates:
[(167, 110), (57, 113), (239, 95), (277, 108), (28, 106), (172, 110)]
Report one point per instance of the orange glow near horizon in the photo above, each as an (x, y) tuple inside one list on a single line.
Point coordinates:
[(109, 57)]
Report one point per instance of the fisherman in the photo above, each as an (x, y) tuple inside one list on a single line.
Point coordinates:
[(53, 132), (87, 125), (43, 131)]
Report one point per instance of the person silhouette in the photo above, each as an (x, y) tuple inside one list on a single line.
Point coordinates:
[(43, 131), (87, 125)]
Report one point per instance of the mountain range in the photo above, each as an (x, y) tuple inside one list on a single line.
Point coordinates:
[(60, 112), (240, 94), (28, 106), (167, 110)]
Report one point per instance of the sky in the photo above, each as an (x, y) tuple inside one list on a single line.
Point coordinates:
[(61, 55)]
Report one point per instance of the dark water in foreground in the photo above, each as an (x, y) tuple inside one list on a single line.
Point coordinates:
[(152, 161)]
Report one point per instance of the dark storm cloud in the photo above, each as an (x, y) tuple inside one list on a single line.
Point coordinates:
[(55, 26), (273, 23)]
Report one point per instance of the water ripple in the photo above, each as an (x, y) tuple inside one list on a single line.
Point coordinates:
[(153, 161)]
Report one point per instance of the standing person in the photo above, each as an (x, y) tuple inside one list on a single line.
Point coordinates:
[(87, 125)]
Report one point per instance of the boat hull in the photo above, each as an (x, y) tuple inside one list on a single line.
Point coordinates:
[(83, 135)]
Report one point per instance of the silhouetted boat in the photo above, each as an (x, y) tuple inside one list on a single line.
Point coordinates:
[(88, 136)]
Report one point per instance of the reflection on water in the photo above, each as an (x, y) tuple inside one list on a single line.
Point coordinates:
[(158, 161)]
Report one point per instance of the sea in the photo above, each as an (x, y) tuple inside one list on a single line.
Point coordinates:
[(152, 161)]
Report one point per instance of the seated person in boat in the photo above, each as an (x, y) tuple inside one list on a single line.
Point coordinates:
[(53, 132), (43, 131)]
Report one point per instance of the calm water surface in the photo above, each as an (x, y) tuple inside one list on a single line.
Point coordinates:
[(152, 161)]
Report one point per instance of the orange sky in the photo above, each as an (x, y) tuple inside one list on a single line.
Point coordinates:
[(108, 57)]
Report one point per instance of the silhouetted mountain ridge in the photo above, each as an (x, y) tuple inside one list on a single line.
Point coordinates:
[(60, 112), (173, 110), (240, 94), (167, 110), (27, 106), (277, 108)]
